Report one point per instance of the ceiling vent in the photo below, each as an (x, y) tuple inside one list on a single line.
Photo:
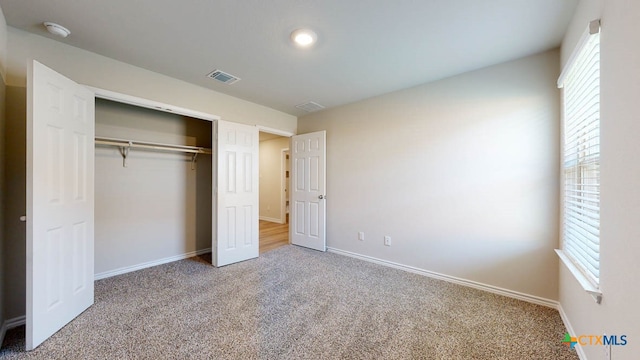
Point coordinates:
[(310, 106), (223, 77)]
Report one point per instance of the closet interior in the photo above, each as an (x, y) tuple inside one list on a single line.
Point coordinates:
[(153, 187)]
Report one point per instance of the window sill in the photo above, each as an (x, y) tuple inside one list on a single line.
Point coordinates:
[(584, 282)]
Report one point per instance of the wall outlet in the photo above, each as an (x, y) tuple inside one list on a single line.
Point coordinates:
[(361, 235), (387, 240)]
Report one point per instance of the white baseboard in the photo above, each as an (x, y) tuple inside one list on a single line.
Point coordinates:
[(473, 284), (10, 324), (15, 322), (127, 269), (567, 324), (270, 219)]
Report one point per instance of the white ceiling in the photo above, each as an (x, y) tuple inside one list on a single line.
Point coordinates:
[(365, 47)]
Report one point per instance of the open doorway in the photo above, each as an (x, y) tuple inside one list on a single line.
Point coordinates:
[(274, 170)]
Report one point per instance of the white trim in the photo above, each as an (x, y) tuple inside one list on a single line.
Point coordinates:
[(592, 29), (127, 269), (273, 220), (283, 185), (587, 285), (150, 104), (10, 324), (275, 131), (15, 322), (567, 325), (452, 279)]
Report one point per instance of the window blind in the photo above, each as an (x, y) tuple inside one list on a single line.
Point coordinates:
[(581, 220)]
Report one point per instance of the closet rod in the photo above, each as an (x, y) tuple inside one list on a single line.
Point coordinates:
[(151, 145)]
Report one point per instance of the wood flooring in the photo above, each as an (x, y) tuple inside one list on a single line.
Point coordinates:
[(273, 235)]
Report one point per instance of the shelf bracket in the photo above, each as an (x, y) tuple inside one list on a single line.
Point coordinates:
[(124, 151), (193, 161)]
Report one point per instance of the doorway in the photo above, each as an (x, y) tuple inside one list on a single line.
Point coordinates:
[(274, 178)]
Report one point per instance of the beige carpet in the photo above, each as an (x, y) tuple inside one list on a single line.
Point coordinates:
[(294, 303)]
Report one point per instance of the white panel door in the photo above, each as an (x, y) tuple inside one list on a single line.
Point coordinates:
[(308, 190), (60, 164), (236, 206)]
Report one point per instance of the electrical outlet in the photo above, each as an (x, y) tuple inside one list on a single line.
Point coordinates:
[(361, 235), (387, 240), (607, 350)]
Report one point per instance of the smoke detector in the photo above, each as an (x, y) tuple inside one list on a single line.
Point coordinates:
[(57, 29)]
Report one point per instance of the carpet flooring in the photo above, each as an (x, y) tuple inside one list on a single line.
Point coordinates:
[(295, 303)]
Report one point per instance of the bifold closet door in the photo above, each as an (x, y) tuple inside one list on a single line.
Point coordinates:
[(60, 200), (235, 202)]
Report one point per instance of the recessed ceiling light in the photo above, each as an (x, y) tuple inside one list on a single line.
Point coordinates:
[(303, 37), (56, 29)]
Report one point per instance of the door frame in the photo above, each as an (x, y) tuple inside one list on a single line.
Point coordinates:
[(150, 104), (275, 131), (283, 184), (287, 134)]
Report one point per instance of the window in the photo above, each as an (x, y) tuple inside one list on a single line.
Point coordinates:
[(580, 82)]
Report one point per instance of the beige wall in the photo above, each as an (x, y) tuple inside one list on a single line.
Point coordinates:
[(619, 313), (461, 173), (271, 179), (157, 207), (95, 70)]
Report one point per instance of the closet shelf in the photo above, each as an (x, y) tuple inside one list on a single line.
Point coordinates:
[(126, 145)]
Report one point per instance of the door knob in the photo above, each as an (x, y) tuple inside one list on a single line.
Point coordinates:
[(321, 197)]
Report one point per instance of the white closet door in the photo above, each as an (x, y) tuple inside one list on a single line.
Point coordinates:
[(308, 190), (236, 206), (60, 165)]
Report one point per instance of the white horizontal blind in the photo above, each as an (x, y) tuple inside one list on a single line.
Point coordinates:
[(581, 227)]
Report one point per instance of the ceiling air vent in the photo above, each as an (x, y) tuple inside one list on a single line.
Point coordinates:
[(223, 77), (310, 106)]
